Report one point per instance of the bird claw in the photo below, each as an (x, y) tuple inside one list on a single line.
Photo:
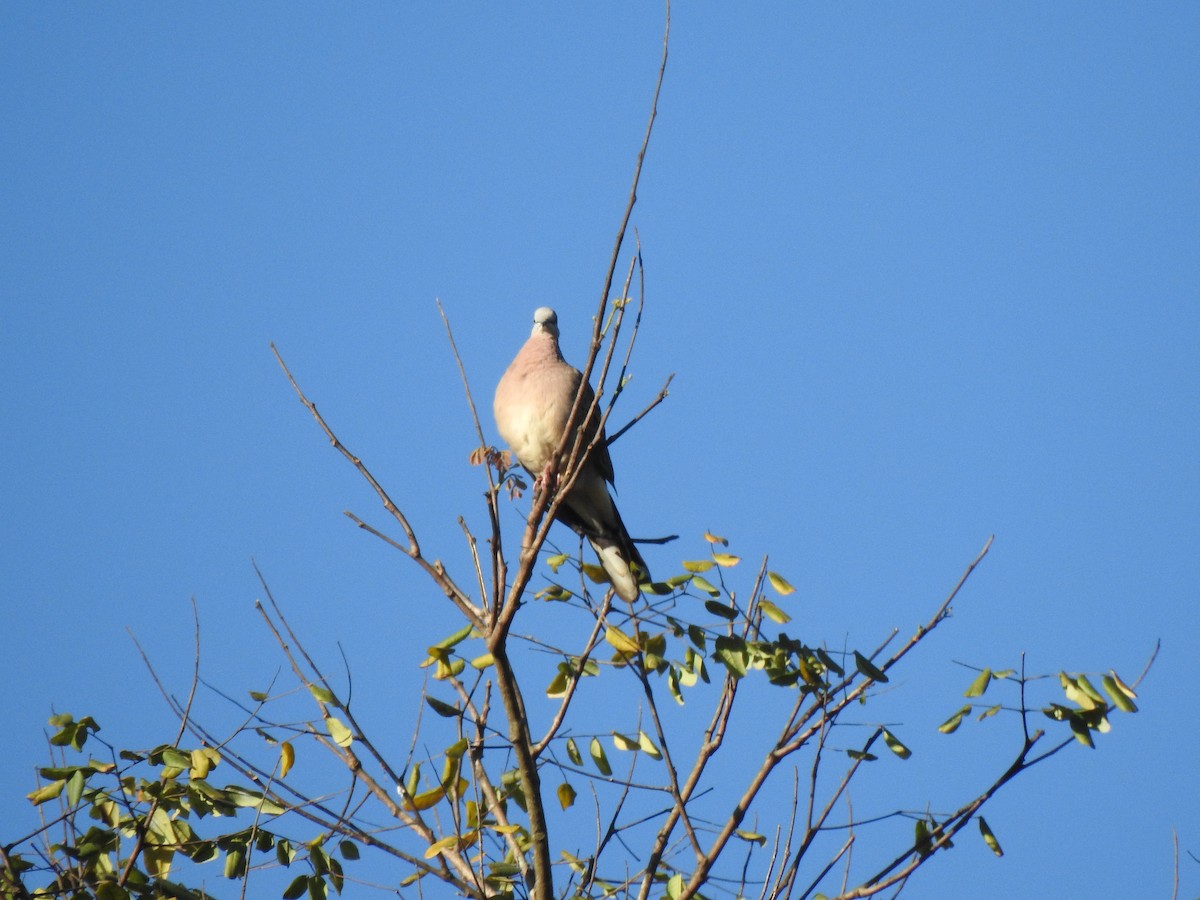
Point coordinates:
[(545, 481)]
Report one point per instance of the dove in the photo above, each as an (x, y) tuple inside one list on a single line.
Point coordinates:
[(532, 404)]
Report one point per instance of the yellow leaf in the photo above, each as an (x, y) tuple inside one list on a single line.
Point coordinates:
[(577, 865), (726, 559), (426, 800), (200, 764), (715, 539), (980, 684), (895, 746), (952, 723), (647, 745), (697, 565), (287, 756), (566, 795), (623, 743), (338, 732), (773, 612), (446, 843), (989, 838), (573, 752), (620, 641), (596, 574), (1122, 686), (158, 860), (599, 757), (782, 586)]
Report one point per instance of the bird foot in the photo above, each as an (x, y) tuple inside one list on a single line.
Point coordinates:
[(546, 480)]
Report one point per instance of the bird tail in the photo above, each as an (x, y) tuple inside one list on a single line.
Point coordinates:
[(616, 563), (615, 548)]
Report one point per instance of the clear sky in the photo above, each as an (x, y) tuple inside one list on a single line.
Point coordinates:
[(924, 272)]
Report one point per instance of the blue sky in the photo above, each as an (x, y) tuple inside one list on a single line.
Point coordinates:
[(924, 272)]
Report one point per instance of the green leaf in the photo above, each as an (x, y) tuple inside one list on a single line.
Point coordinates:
[(323, 694), (297, 888), (703, 584), (553, 592), (696, 566), (176, 758), (980, 684), (1087, 688), (46, 792), (338, 732), (558, 684), (443, 709), (577, 865), (75, 787), (922, 842), (862, 755), (248, 799), (235, 863), (413, 783), (868, 669), (573, 752), (674, 888), (556, 561), (62, 773), (1122, 686), (752, 836), (1075, 693), (732, 652), (782, 586), (1080, 730), (1120, 699), (599, 758), (773, 612), (720, 609), (829, 663), (566, 795), (453, 640), (952, 723), (988, 837), (990, 711), (258, 696), (895, 745)]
